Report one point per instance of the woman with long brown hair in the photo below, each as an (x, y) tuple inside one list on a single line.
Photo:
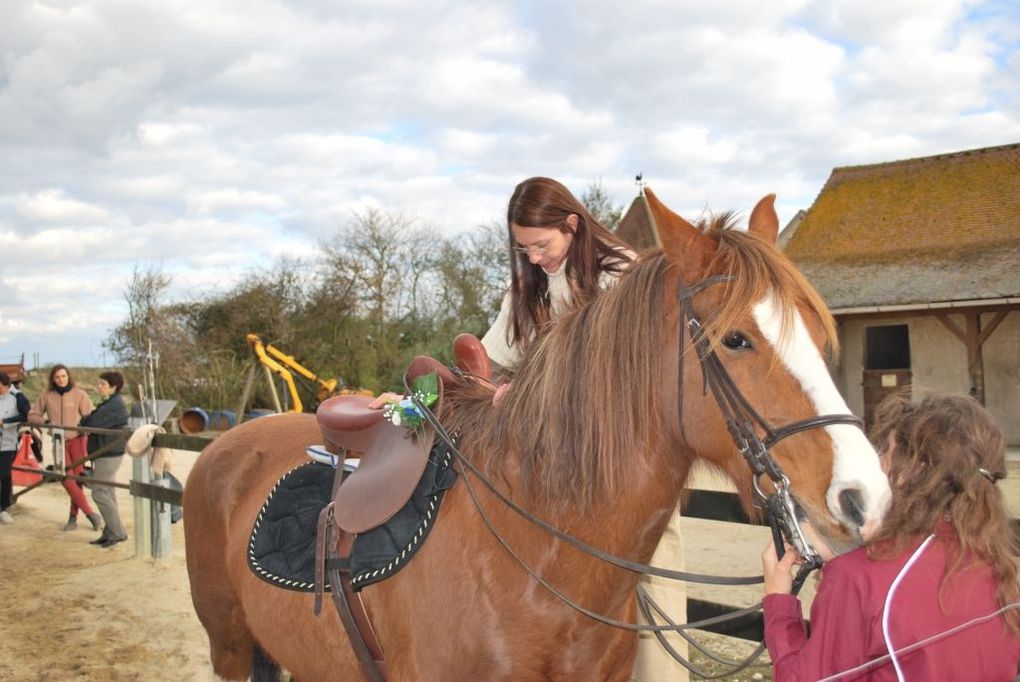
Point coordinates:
[(559, 256), (64, 404), (934, 594)]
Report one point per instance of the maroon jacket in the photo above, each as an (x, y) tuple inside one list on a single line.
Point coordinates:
[(846, 622)]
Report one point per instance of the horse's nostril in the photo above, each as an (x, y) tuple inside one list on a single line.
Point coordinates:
[(852, 504)]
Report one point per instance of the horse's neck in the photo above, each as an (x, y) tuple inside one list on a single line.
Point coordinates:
[(629, 526)]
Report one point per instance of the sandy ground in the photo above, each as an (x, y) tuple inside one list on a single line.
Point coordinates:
[(74, 611)]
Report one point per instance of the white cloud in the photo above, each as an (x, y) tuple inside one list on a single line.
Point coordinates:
[(231, 199), (52, 206), (208, 138)]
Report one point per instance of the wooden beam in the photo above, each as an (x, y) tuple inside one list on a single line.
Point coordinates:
[(925, 312), (987, 331), (750, 627), (272, 389), (948, 323), (180, 441)]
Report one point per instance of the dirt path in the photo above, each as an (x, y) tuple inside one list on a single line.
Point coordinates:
[(74, 611)]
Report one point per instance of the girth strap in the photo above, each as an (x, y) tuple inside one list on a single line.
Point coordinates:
[(355, 620), (332, 559)]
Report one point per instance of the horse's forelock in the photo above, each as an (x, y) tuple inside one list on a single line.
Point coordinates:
[(759, 270)]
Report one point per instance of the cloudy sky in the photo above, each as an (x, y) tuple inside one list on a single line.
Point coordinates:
[(206, 137)]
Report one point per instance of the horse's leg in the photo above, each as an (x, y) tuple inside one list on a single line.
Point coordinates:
[(231, 646), (263, 668)]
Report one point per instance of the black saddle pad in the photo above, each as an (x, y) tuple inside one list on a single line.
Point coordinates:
[(281, 550)]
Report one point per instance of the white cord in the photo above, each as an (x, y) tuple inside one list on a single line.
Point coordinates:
[(888, 604), (922, 643)]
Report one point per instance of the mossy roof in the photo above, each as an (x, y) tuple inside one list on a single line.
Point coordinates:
[(940, 228)]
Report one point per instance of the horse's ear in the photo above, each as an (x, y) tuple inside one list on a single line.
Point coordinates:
[(680, 239), (764, 222)]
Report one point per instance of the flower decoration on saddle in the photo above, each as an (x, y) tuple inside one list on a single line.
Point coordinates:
[(405, 412)]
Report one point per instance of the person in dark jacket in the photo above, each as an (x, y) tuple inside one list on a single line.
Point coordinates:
[(14, 408), (110, 414)]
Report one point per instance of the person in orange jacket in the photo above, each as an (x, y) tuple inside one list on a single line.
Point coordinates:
[(64, 404)]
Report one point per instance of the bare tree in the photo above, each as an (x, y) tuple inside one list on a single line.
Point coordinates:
[(601, 206), (152, 334), (385, 288)]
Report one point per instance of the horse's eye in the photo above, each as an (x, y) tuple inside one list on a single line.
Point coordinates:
[(736, 341)]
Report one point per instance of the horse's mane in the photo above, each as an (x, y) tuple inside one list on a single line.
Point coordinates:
[(585, 406)]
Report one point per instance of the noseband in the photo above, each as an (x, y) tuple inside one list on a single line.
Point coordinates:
[(743, 423)]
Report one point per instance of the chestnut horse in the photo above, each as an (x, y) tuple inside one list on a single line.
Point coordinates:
[(596, 437)]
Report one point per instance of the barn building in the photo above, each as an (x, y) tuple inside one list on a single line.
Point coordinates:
[(919, 261)]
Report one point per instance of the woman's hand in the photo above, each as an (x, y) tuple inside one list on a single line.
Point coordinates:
[(779, 572), (383, 399), (500, 393)]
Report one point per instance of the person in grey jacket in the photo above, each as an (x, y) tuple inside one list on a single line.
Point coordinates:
[(110, 414), (14, 407)]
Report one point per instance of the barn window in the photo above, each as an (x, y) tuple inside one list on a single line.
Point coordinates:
[(887, 347)]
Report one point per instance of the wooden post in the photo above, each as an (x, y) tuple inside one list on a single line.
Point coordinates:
[(975, 359), (143, 517), (272, 390), (974, 337), (58, 445), (249, 384)]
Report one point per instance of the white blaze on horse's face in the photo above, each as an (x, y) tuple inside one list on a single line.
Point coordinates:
[(855, 464)]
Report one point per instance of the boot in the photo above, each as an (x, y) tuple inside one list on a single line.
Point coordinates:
[(72, 523), (96, 519)]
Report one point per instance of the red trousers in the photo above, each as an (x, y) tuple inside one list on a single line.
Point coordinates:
[(75, 449)]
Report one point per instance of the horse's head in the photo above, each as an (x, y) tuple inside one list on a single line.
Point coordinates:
[(770, 330)]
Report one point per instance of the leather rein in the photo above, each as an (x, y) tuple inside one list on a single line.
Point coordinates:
[(743, 423)]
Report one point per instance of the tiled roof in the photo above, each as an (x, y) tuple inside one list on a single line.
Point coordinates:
[(941, 228), (973, 276)]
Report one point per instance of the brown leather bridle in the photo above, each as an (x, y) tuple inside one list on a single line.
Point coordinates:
[(743, 423)]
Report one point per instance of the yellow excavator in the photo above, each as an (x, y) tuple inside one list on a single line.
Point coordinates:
[(286, 367)]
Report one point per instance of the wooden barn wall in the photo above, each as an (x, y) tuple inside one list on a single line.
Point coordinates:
[(939, 363)]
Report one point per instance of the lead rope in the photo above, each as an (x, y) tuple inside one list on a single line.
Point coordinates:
[(623, 625), (647, 605)]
